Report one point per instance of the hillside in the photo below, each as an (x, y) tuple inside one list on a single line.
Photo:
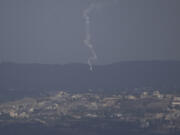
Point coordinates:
[(122, 75)]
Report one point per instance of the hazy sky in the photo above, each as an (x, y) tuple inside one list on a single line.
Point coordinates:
[(52, 31)]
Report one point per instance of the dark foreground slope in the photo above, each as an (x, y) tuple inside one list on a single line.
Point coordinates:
[(155, 74), (35, 129)]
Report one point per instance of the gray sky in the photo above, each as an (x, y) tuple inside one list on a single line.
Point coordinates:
[(52, 31)]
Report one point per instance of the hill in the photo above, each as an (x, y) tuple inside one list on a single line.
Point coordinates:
[(122, 75)]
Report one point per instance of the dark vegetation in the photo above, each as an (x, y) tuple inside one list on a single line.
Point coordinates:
[(88, 128), (77, 77)]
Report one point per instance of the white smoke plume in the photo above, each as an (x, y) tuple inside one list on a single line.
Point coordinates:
[(87, 41)]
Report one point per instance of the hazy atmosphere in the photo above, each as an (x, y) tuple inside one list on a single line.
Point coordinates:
[(53, 31), (89, 67)]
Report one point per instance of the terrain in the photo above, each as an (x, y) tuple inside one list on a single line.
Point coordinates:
[(77, 77), (132, 98), (146, 113)]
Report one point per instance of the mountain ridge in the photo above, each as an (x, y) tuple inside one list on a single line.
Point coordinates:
[(77, 76)]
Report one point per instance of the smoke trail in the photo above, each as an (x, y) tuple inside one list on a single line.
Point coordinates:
[(87, 41), (86, 15)]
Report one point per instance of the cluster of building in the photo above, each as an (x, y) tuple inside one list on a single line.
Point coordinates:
[(143, 108)]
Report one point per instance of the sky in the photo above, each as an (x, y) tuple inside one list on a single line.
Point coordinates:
[(53, 31)]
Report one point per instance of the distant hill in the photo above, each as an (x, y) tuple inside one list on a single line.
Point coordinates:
[(136, 74)]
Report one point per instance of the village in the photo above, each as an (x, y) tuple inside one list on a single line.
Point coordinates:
[(146, 109)]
